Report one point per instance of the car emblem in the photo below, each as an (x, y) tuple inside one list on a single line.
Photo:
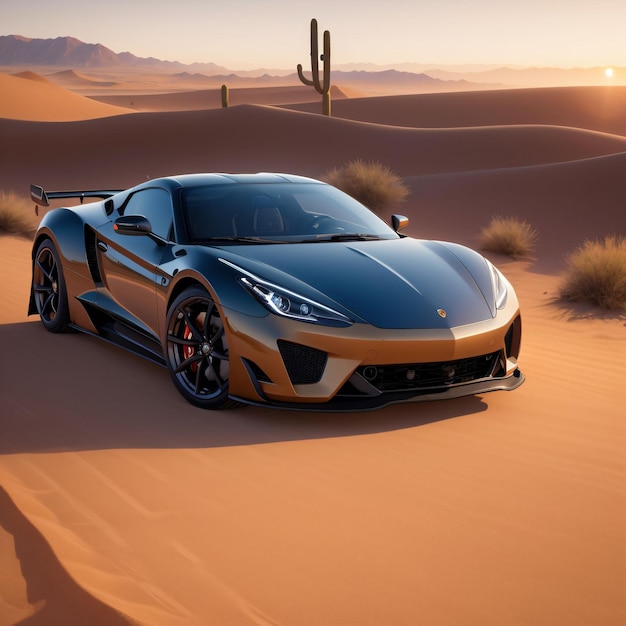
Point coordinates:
[(441, 313)]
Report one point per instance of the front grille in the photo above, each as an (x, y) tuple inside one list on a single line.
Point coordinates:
[(413, 376), (304, 365)]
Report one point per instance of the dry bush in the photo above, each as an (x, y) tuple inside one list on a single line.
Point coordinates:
[(372, 184), (17, 216), (596, 274), (509, 235)]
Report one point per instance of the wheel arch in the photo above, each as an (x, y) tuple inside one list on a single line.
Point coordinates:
[(185, 283), (65, 230)]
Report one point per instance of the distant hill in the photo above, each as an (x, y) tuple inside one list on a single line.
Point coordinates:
[(388, 81), (16, 50), (364, 81)]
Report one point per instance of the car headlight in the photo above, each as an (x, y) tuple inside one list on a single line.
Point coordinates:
[(286, 303), (289, 304), (500, 290)]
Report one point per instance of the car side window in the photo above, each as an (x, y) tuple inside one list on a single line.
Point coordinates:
[(156, 205)]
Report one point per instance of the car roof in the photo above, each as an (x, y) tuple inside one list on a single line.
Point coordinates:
[(204, 179)]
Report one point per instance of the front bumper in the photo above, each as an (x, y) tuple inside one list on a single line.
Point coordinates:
[(343, 404), (293, 365)]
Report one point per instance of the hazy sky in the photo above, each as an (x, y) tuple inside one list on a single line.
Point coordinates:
[(248, 34)]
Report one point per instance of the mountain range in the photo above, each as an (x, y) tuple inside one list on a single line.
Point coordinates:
[(16, 50), (71, 53)]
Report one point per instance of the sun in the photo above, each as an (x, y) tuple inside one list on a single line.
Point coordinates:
[(608, 72)]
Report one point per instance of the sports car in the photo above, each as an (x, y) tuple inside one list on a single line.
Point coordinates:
[(274, 290)]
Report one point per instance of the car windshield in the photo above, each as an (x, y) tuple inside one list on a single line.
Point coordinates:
[(277, 213)]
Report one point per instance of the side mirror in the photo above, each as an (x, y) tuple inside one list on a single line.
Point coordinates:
[(132, 225), (398, 222)]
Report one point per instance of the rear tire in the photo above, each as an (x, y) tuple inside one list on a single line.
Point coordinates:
[(196, 350), (49, 289)]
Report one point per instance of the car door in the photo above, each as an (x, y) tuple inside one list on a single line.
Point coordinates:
[(128, 264)]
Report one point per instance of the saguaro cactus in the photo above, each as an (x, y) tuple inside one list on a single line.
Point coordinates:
[(322, 87), (224, 96)]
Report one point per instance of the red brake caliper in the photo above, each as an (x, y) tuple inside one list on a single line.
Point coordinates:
[(189, 351)]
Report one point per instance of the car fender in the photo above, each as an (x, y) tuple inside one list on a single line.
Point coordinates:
[(66, 229)]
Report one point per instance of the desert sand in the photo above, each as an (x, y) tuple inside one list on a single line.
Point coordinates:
[(122, 504)]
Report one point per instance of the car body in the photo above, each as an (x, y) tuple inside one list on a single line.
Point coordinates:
[(275, 290)]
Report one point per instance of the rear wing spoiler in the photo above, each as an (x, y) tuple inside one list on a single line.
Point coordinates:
[(42, 198)]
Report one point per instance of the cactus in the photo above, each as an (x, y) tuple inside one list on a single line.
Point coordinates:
[(224, 96), (323, 87)]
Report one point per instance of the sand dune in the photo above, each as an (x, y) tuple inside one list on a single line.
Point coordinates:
[(182, 92), (32, 76), (120, 503), (29, 97), (212, 98), (550, 197), (73, 80), (132, 81), (593, 108), (252, 138)]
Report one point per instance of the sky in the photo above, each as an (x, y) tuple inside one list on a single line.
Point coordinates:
[(251, 34)]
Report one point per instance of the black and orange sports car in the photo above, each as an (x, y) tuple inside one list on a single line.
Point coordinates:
[(276, 290)]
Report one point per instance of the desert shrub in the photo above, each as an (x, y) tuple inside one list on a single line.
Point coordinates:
[(596, 274), (17, 216), (508, 235), (372, 184)]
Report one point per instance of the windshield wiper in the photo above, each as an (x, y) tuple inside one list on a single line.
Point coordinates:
[(244, 240), (344, 237)]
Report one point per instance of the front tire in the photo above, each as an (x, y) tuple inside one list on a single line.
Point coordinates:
[(49, 289), (196, 350)]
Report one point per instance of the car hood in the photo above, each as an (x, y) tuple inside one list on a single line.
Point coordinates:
[(398, 283)]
